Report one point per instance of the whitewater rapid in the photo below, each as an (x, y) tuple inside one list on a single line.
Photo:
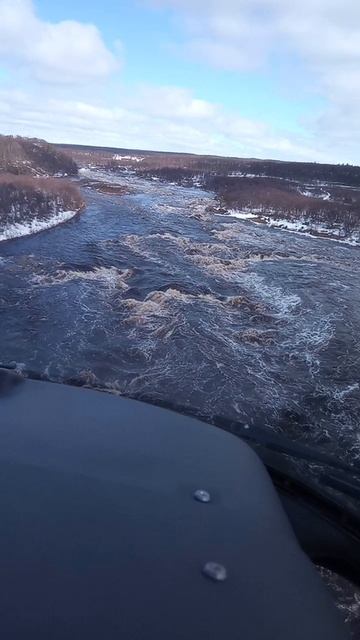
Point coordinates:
[(154, 296)]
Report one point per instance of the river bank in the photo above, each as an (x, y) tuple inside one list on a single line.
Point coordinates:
[(30, 204), (302, 226)]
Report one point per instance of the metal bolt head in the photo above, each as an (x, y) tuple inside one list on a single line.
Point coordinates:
[(215, 571), (202, 496)]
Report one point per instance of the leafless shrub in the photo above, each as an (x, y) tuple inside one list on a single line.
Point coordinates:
[(24, 197), (32, 156), (282, 200), (155, 161)]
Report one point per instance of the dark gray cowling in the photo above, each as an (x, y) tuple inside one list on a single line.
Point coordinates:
[(102, 535)]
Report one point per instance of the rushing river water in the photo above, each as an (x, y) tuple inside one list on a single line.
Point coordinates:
[(151, 296)]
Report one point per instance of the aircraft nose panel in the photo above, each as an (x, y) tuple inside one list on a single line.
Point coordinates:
[(123, 520)]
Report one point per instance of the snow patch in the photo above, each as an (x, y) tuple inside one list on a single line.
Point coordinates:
[(241, 215), (290, 225), (300, 225), (309, 228), (20, 229), (310, 194), (133, 158)]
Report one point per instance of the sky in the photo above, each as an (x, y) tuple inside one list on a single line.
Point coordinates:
[(255, 78)]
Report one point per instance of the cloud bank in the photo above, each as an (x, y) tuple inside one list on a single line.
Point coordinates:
[(60, 67)]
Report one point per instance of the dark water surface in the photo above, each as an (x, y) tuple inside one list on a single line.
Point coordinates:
[(151, 296)]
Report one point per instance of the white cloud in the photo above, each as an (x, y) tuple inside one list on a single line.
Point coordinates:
[(326, 31), (231, 34), (171, 101), (226, 34), (63, 52), (324, 34), (164, 118)]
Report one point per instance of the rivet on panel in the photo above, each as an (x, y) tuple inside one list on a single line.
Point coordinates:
[(215, 571), (202, 496)]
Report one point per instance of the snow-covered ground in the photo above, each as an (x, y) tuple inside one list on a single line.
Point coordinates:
[(311, 183), (297, 226), (132, 158), (242, 215), (19, 229), (324, 195)]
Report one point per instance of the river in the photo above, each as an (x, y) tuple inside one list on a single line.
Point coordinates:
[(150, 296)]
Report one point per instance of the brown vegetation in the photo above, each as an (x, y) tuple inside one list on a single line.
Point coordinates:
[(107, 188), (26, 197), (281, 199), (30, 156), (291, 190), (157, 163)]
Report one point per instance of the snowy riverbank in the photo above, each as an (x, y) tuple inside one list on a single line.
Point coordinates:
[(26, 228), (301, 225)]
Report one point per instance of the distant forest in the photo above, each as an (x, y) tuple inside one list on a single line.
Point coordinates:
[(166, 164), (322, 194)]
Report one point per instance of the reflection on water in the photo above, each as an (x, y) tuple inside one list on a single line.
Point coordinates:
[(152, 296)]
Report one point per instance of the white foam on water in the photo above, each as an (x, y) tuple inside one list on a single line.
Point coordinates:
[(171, 305), (341, 394), (310, 339), (274, 296), (20, 229), (111, 277)]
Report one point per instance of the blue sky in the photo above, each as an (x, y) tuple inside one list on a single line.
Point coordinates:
[(238, 77), (149, 35)]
